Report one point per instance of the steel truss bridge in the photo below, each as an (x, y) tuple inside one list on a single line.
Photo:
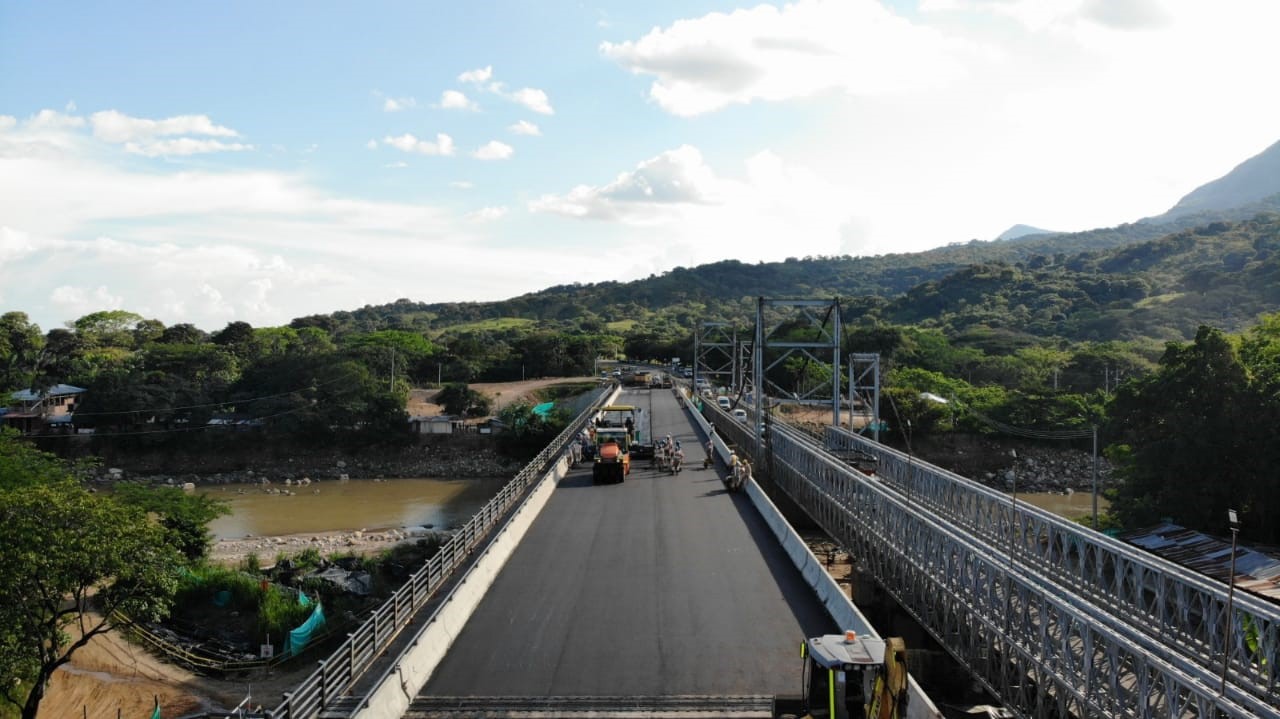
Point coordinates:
[(1055, 619)]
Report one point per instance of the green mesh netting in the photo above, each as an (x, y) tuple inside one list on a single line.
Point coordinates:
[(300, 637)]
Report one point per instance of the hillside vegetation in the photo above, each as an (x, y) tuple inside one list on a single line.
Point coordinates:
[(1037, 333)]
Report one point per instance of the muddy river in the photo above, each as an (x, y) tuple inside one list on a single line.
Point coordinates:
[(1071, 506), (357, 504)]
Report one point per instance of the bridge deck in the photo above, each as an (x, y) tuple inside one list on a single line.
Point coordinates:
[(661, 585)]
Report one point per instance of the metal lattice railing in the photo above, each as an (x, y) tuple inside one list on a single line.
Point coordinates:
[(1180, 608), (1039, 645), (337, 674)]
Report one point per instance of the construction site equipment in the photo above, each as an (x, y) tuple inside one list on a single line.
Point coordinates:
[(854, 676), (613, 456)]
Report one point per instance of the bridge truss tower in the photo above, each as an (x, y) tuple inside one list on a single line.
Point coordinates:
[(713, 352), (808, 332), (864, 387)]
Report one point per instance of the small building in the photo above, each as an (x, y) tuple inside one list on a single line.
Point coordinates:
[(35, 410), (440, 424)]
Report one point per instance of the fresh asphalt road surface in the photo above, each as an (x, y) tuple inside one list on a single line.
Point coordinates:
[(659, 586)]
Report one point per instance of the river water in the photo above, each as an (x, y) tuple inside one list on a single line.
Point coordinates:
[(442, 503), (356, 504), (1072, 506)]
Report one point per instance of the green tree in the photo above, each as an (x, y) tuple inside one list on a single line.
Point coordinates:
[(1189, 437), (68, 558), (459, 399), (184, 515), (20, 350)]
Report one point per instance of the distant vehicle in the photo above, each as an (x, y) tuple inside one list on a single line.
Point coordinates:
[(702, 383), (724, 402), (740, 415)]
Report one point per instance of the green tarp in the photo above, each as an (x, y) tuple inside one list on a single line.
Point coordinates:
[(300, 637), (544, 409)]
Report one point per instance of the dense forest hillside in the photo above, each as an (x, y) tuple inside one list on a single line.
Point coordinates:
[(1121, 283)]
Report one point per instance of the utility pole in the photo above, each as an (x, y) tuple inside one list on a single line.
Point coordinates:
[(1234, 521), (1095, 477)]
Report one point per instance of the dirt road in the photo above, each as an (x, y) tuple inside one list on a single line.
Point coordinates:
[(501, 394)]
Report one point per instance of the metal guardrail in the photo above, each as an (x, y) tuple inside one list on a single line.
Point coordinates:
[(1180, 608), (337, 674), (1037, 644)]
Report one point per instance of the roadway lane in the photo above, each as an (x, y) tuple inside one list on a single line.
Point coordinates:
[(660, 586)]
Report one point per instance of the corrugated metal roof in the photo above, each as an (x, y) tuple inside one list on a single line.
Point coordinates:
[(26, 395), (1256, 571)]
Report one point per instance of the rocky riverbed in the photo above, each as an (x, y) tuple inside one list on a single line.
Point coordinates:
[(362, 542)]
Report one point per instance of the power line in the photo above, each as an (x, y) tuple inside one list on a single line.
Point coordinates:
[(207, 404)]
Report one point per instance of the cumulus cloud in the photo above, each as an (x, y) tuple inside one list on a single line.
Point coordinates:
[(408, 143), (534, 99), (168, 137), (210, 245), (770, 53), (462, 185), (524, 127), (677, 176), (183, 146), (79, 301), (488, 214), (477, 76), (768, 210), (493, 150), (454, 100), (530, 97), (396, 104), (371, 144), (53, 120)]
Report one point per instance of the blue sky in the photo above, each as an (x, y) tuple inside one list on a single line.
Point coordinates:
[(264, 161)]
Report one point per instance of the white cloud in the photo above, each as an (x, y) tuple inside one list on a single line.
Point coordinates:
[(53, 120), (14, 245), (494, 150), (8, 122), (767, 53), (675, 177), (396, 165), (524, 127), (142, 136), (183, 146), (396, 104), (208, 246), (408, 143), (772, 210), (462, 185), (79, 301), (488, 214), (454, 100), (372, 144), (532, 98), (478, 76), (116, 127)]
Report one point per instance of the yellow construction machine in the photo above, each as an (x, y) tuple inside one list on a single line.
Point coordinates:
[(855, 677)]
